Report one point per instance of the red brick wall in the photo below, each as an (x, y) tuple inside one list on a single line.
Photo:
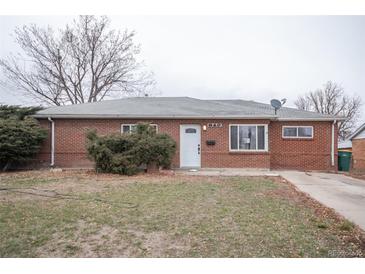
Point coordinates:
[(303, 154), (315, 154), (358, 154)]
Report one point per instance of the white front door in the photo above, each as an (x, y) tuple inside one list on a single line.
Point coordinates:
[(190, 146)]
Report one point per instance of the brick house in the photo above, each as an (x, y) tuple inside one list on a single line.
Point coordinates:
[(358, 148), (209, 133)]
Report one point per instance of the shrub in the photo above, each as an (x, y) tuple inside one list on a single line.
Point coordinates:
[(20, 139), (17, 112), (125, 153)]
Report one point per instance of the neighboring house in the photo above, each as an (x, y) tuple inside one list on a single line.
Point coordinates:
[(209, 133), (345, 145), (358, 148)]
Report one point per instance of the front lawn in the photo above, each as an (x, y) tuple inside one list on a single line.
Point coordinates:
[(81, 214)]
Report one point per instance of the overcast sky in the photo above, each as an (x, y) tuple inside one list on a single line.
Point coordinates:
[(248, 57)]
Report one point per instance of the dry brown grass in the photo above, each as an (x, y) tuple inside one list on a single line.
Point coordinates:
[(83, 214)]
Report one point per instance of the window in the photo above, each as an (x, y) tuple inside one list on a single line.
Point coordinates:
[(297, 132), (190, 130), (305, 132), (128, 128), (248, 137), (290, 132)]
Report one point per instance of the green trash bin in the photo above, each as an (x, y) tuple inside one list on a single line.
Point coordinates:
[(344, 160)]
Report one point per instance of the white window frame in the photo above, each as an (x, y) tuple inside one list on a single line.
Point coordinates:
[(130, 125), (266, 134), (296, 137)]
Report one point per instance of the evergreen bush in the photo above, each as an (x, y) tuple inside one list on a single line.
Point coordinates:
[(125, 153), (20, 136)]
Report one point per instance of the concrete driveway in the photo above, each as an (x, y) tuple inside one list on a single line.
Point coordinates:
[(344, 194)]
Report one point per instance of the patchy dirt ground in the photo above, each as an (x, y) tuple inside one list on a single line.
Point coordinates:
[(83, 214), (358, 175)]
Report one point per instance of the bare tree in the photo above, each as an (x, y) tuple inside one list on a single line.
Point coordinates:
[(331, 99), (84, 62)]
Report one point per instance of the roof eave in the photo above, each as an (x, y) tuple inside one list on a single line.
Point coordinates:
[(313, 119), (357, 131), (91, 116)]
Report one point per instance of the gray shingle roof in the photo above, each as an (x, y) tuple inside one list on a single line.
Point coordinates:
[(178, 107), (357, 131)]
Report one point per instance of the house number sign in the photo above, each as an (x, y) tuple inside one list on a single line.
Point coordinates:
[(212, 125)]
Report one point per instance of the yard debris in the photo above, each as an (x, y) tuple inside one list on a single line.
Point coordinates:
[(49, 193)]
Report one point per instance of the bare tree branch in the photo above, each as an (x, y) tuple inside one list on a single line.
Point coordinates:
[(331, 99), (85, 62)]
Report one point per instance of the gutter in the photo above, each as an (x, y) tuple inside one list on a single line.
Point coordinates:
[(92, 116), (52, 141), (329, 119), (333, 143)]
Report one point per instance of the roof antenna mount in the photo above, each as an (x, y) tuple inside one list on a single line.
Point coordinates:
[(276, 104)]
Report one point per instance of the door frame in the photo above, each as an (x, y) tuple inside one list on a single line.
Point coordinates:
[(181, 148)]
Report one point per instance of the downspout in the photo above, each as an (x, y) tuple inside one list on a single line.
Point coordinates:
[(52, 141), (333, 144)]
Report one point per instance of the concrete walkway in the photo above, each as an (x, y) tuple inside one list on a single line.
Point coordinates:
[(227, 172), (344, 194)]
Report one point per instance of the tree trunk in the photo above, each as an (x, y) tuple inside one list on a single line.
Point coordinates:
[(153, 168), (7, 165)]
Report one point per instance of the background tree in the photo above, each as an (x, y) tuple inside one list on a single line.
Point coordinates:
[(331, 99), (20, 135), (84, 62)]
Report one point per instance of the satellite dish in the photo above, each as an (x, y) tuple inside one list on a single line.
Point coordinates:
[(276, 104)]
